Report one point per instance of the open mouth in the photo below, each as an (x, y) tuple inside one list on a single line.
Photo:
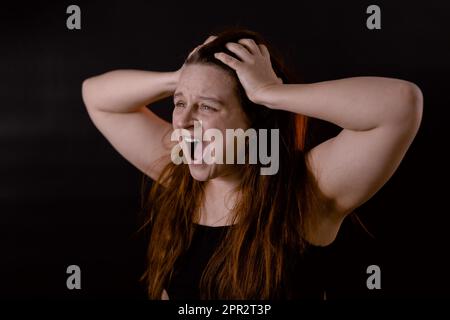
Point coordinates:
[(192, 144)]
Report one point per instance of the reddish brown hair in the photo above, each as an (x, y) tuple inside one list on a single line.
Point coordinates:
[(271, 210)]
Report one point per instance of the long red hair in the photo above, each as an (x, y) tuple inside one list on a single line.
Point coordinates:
[(270, 210)]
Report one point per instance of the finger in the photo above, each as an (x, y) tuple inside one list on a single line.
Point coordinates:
[(195, 49), (228, 60), (264, 50), (239, 50), (250, 44), (210, 38)]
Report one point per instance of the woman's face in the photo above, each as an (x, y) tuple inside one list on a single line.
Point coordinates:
[(207, 93)]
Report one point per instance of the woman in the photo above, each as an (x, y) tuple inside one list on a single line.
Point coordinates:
[(225, 230)]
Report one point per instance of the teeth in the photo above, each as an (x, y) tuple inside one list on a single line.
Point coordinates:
[(190, 140), (193, 143)]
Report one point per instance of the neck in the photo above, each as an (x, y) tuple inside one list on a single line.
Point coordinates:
[(223, 184), (220, 198)]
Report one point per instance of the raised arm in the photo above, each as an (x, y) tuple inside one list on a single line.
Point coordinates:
[(116, 102), (379, 116)]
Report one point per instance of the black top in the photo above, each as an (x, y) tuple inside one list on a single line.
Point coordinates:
[(305, 274)]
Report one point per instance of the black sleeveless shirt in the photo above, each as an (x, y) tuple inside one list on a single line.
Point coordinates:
[(305, 273)]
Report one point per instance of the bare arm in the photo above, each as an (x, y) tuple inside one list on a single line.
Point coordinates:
[(380, 118), (357, 104), (116, 102)]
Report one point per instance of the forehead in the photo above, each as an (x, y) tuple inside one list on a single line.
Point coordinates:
[(203, 79)]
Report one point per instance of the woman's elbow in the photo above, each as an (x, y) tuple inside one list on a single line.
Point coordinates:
[(410, 106), (87, 93), (416, 104)]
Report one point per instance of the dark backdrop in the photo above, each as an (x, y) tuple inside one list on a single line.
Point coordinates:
[(66, 197)]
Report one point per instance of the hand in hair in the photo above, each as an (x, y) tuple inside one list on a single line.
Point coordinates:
[(253, 67)]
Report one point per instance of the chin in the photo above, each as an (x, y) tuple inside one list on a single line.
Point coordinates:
[(201, 172)]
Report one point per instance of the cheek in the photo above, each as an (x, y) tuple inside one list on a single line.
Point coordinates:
[(174, 117), (238, 119)]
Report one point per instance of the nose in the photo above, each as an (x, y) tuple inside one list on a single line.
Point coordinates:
[(185, 118)]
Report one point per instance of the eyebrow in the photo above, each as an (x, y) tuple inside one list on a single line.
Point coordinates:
[(214, 99)]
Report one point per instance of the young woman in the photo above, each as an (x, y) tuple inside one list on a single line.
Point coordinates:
[(224, 230)]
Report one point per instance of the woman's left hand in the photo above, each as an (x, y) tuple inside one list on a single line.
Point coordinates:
[(254, 68)]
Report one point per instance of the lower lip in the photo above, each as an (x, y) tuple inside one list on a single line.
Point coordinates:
[(197, 165)]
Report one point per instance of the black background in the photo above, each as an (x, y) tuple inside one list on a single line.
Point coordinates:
[(67, 197)]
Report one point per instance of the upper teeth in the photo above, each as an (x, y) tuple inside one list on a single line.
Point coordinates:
[(189, 139)]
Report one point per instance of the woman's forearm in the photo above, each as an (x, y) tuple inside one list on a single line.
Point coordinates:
[(123, 91), (359, 103)]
